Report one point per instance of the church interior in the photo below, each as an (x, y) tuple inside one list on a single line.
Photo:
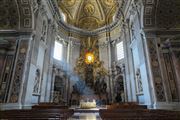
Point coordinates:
[(95, 59)]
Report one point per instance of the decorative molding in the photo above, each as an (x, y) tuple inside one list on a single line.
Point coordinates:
[(10, 15), (25, 13), (156, 71), (161, 14), (19, 69)]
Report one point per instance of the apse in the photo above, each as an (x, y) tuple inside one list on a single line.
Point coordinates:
[(88, 14), (68, 52)]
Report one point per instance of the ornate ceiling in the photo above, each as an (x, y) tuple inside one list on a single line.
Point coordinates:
[(88, 14), (162, 14)]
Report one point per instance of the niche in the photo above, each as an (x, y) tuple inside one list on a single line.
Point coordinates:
[(59, 88)]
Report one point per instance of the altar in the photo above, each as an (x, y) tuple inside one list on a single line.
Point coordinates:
[(78, 109), (86, 113), (87, 104)]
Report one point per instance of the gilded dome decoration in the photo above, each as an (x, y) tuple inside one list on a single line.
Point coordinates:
[(88, 14), (88, 23), (109, 2), (89, 9), (68, 3)]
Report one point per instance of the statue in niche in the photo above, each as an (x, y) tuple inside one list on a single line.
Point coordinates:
[(119, 84), (113, 68), (118, 97), (56, 97), (103, 86), (59, 87), (74, 100), (103, 91), (97, 85), (118, 69), (44, 31), (75, 90), (139, 81), (133, 32), (36, 82)]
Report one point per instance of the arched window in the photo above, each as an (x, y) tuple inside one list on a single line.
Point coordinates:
[(120, 50), (63, 17), (58, 50)]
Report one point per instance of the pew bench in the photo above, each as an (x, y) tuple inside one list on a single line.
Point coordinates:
[(36, 114), (128, 105), (138, 114), (49, 106)]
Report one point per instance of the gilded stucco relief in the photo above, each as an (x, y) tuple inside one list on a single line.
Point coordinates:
[(88, 14)]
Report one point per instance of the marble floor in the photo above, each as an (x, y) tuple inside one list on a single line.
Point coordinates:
[(85, 116)]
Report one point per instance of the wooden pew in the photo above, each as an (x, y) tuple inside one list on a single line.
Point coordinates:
[(36, 114), (129, 105), (49, 106), (169, 114), (138, 114)]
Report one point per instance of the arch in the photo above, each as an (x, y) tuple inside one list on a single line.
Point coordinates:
[(9, 15), (25, 12), (161, 14), (15, 14), (149, 13), (167, 14)]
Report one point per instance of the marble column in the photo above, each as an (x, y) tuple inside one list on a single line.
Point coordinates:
[(19, 76)]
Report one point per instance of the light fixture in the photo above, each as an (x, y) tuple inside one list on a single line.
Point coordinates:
[(89, 58)]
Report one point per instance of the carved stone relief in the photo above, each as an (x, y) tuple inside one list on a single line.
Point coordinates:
[(44, 30), (36, 88), (157, 78), (171, 75), (19, 71), (167, 51), (118, 83), (139, 82)]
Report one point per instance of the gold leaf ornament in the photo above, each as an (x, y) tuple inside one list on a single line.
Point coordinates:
[(89, 9), (109, 2), (69, 3)]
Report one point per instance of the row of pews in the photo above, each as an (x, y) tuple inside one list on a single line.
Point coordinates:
[(43, 111), (133, 111)]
